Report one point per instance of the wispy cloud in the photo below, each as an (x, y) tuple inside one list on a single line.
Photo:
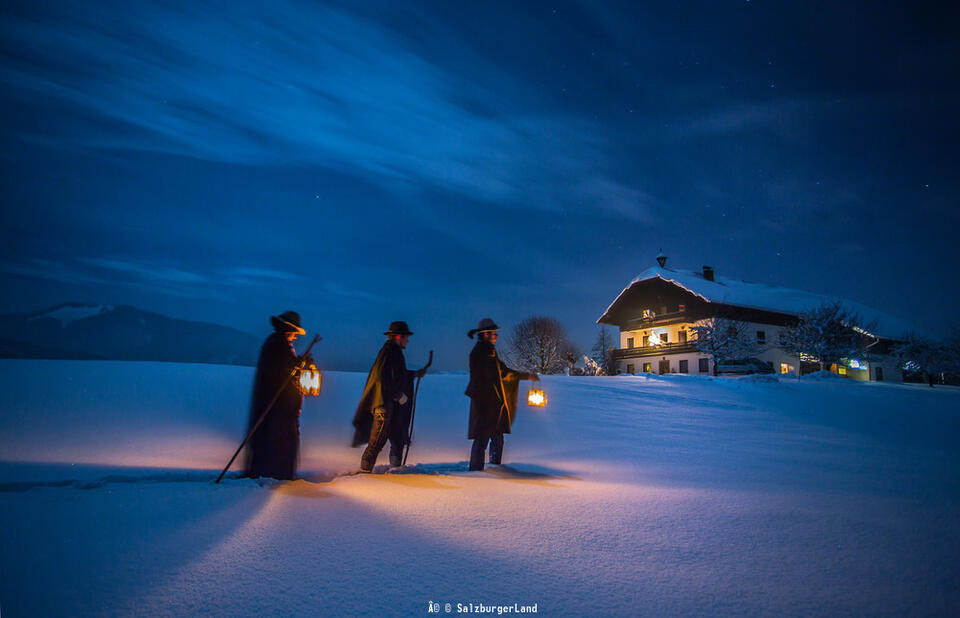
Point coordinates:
[(51, 270), (307, 84), (154, 272)]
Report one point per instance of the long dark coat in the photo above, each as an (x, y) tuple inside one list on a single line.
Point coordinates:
[(273, 449), (493, 392), (388, 378)]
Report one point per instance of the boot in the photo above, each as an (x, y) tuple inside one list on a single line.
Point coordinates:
[(476, 454), (496, 449)]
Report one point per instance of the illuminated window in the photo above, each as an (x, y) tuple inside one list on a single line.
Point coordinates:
[(646, 368), (842, 371), (681, 307), (648, 314), (784, 368)]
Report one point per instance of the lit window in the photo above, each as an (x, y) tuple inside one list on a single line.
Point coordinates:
[(784, 368), (681, 307)]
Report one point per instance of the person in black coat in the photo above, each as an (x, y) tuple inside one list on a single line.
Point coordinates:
[(384, 409), (274, 448), (493, 395)]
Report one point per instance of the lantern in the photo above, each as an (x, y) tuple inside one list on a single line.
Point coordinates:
[(310, 380), (536, 398)]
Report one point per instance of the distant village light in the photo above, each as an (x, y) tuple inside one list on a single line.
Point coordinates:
[(536, 398), (310, 380)]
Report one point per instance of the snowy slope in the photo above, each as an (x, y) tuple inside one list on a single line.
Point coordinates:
[(629, 495)]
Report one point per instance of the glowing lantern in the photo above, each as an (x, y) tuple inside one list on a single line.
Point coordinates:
[(310, 380), (536, 398)]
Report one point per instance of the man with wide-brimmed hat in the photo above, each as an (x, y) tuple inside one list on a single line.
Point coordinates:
[(384, 409), (274, 447), (493, 392)]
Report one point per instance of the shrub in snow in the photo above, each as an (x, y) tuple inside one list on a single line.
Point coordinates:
[(823, 374)]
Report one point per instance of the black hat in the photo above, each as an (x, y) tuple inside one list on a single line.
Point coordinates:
[(398, 328), (287, 322), (484, 325)]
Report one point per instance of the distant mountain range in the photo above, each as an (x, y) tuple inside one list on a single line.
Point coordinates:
[(121, 332)]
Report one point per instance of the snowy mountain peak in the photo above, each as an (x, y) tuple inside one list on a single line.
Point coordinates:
[(71, 312)]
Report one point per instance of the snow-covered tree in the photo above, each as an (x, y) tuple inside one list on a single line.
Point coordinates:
[(923, 355), (602, 352), (592, 367), (828, 334), (538, 344), (724, 339)]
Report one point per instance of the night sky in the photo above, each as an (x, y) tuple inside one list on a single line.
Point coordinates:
[(363, 162)]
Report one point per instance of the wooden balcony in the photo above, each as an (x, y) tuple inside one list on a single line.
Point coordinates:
[(655, 350), (661, 319)]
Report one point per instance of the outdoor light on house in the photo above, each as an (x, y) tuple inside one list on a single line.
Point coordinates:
[(310, 380), (536, 398)]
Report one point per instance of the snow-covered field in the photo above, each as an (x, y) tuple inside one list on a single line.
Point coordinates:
[(670, 495)]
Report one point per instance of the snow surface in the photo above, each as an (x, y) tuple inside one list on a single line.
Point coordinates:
[(71, 313), (646, 495), (773, 298)]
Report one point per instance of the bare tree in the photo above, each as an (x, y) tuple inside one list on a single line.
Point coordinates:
[(540, 344), (724, 339), (828, 334), (924, 355), (602, 352), (568, 354)]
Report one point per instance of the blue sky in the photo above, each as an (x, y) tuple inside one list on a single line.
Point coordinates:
[(442, 162)]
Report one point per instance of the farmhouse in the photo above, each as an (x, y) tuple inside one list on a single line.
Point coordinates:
[(657, 311)]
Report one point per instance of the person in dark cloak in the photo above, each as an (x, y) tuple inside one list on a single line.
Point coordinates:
[(384, 409), (273, 449), (493, 392)]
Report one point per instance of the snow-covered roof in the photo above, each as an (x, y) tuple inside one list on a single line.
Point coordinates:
[(766, 297)]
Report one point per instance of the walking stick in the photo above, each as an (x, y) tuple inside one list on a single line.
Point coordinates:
[(413, 409), (269, 407)]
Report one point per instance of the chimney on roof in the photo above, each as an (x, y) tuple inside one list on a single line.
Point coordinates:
[(661, 259), (708, 273)]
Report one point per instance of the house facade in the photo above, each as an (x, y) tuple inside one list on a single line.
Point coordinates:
[(657, 312)]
